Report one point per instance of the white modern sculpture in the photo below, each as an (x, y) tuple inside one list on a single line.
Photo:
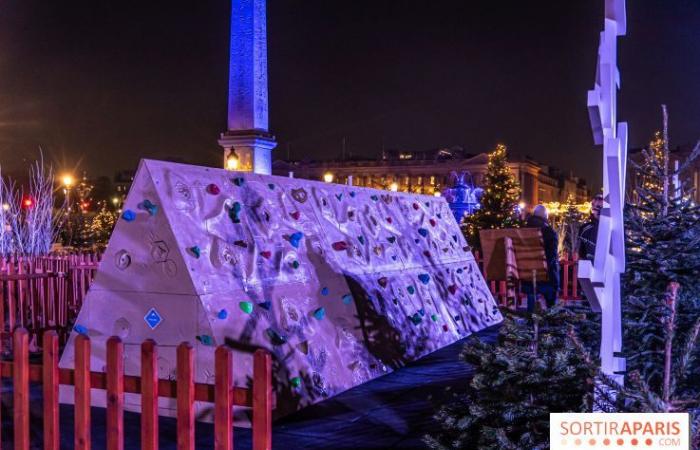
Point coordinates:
[(601, 280)]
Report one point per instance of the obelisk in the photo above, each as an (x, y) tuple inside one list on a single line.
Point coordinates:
[(247, 142)]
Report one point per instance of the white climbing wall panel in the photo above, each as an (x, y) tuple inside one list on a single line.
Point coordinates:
[(342, 284)]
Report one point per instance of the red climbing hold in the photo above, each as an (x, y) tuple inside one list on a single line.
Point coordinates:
[(416, 206), (266, 254), (426, 253), (388, 219), (452, 288), (383, 281), (432, 222), (445, 328), (295, 215), (340, 246), (213, 189)]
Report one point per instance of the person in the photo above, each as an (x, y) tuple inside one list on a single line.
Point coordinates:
[(589, 231), (548, 288)]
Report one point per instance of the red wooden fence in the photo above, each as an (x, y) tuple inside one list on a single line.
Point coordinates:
[(569, 287), (44, 293), (115, 384)]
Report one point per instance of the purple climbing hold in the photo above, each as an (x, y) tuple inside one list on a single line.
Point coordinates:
[(129, 215)]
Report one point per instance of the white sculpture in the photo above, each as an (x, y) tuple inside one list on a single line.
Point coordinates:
[(601, 280)]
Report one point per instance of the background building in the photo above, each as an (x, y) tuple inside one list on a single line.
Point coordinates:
[(429, 172)]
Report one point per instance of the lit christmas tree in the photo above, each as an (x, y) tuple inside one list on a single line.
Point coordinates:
[(101, 226), (500, 200)]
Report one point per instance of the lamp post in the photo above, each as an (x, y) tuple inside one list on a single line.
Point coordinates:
[(67, 180)]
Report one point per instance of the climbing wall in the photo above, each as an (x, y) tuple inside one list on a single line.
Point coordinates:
[(342, 284)]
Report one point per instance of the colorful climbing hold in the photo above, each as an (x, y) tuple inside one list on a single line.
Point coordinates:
[(303, 347), (339, 196), (266, 305), (271, 186), (129, 215), (426, 253), (416, 206), (205, 339), (361, 239), (434, 317), (266, 254), (454, 237), (234, 212), (374, 198), (295, 264), (295, 382), (148, 206), (242, 244), (294, 238), (320, 313), (238, 181), (452, 288), (80, 330), (445, 327), (352, 194), (295, 215), (432, 222), (340, 246), (223, 314), (195, 251), (421, 312), (411, 290), (416, 319), (347, 299), (423, 232), (383, 281), (275, 337), (424, 278), (246, 307), (389, 220), (213, 189), (439, 216)]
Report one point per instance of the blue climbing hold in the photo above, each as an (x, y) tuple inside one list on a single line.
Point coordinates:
[(81, 330), (416, 241), (424, 278), (205, 339), (294, 238), (423, 232), (361, 239), (266, 305), (352, 194), (148, 206), (421, 312), (460, 270), (223, 314), (325, 291), (234, 212), (416, 319), (271, 186), (339, 196), (374, 198), (195, 251), (320, 313), (347, 299), (391, 239), (129, 215), (238, 181)]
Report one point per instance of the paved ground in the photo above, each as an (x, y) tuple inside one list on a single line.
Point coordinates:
[(393, 411)]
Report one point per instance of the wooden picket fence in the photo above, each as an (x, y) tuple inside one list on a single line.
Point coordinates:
[(44, 293), (569, 286), (115, 384)]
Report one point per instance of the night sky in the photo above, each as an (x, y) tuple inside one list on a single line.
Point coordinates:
[(101, 84)]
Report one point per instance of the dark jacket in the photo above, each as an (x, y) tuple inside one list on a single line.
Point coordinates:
[(551, 243), (587, 239)]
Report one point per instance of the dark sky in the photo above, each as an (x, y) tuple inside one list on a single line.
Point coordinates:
[(102, 84)]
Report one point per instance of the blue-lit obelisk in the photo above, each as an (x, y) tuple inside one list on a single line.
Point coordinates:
[(247, 142)]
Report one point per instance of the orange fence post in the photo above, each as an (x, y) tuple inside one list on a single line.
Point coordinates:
[(115, 394), (20, 369), (262, 400), (50, 389), (223, 423), (185, 397), (149, 395), (82, 393)]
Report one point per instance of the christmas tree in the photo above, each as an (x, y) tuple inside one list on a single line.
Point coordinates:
[(500, 199), (663, 250), (101, 226), (535, 369)]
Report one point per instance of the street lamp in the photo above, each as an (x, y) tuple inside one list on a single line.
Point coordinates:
[(232, 160), (328, 177), (67, 180), (394, 187)]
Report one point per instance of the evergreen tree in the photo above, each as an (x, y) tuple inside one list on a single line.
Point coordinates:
[(663, 247), (535, 369), (101, 226), (500, 199)]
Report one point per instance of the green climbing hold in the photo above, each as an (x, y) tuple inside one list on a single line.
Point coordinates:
[(246, 307), (411, 290), (205, 339), (295, 382), (434, 317)]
